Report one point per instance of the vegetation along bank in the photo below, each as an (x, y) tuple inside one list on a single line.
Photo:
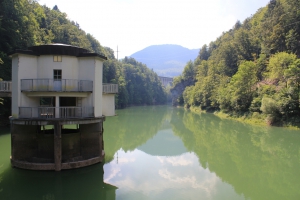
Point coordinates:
[(251, 71)]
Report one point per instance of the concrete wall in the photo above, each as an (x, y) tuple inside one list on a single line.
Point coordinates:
[(68, 65), (86, 71), (41, 67), (108, 104), (15, 87), (98, 88), (23, 67), (92, 69)]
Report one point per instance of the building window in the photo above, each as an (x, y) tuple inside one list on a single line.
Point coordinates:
[(57, 74), (47, 101), (57, 58)]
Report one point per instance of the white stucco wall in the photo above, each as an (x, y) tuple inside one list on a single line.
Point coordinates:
[(68, 65), (41, 67), (108, 104), (98, 88), (86, 71), (91, 68), (23, 67), (46, 66)]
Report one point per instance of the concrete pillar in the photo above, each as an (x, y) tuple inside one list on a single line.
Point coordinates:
[(12, 130), (101, 143), (56, 106), (57, 146)]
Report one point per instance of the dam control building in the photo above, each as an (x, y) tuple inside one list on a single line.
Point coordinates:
[(59, 104)]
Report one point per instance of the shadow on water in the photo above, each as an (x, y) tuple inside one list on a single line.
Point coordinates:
[(85, 183), (259, 162)]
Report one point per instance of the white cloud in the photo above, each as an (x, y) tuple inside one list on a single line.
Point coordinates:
[(180, 177)]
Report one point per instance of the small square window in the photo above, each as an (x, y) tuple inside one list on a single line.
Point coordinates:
[(57, 74), (57, 58)]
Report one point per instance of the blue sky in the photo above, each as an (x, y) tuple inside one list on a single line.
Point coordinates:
[(133, 25)]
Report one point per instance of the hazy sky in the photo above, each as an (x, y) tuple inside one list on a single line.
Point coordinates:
[(133, 25)]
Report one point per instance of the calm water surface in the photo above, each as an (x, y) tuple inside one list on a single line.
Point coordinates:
[(167, 153)]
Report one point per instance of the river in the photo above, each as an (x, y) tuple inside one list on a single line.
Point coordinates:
[(161, 152)]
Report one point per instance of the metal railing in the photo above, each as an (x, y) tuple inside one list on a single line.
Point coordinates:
[(76, 112), (50, 112), (52, 85), (70, 85), (5, 86), (110, 88)]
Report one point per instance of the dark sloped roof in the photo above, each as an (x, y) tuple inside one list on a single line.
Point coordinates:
[(58, 49)]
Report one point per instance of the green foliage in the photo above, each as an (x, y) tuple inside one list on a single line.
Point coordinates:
[(25, 23), (189, 71), (269, 106), (253, 67), (143, 86), (278, 64), (138, 85), (238, 94), (204, 54)]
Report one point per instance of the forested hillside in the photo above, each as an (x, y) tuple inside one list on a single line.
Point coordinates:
[(25, 23), (251, 70)]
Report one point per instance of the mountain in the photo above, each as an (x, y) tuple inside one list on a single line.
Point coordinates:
[(167, 59)]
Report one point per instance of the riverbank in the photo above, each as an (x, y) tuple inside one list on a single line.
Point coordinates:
[(254, 118)]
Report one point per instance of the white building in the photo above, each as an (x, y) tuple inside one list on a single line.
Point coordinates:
[(54, 86)]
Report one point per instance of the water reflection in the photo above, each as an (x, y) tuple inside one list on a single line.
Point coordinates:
[(176, 154), (156, 146), (259, 162), (85, 183), (167, 153), (158, 166), (132, 128), (141, 176)]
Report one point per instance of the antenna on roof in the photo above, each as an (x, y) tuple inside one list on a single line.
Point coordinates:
[(117, 53)]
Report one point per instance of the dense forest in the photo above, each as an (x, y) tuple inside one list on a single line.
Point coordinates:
[(25, 23), (252, 70)]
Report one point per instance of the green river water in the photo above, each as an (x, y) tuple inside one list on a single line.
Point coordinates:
[(162, 152)]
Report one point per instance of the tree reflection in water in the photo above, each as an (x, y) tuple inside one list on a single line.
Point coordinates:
[(172, 153), (259, 162)]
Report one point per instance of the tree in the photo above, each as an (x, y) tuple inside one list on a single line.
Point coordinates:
[(278, 63), (240, 90), (55, 8), (1, 100), (204, 54)]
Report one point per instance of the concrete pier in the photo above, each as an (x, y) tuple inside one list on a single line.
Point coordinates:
[(56, 147)]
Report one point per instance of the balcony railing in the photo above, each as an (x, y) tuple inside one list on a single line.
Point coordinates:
[(5, 86), (110, 88), (52, 85), (50, 112)]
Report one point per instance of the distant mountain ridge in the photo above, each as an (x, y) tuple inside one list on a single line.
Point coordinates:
[(167, 59)]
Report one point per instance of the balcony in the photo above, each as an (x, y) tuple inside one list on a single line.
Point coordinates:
[(110, 88), (5, 88), (56, 112), (52, 85)]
